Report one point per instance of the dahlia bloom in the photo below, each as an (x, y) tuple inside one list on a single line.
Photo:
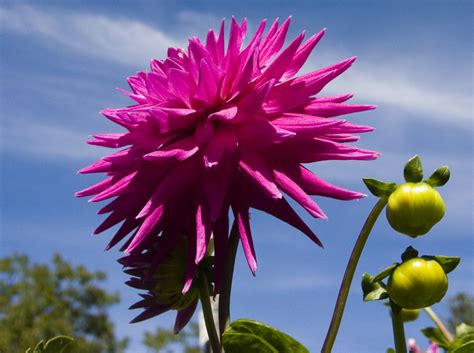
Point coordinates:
[(218, 128)]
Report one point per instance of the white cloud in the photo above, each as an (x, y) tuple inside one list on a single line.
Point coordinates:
[(115, 39), (384, 85), (47, 141), (422, 91)]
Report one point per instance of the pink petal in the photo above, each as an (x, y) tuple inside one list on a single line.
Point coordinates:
[(151, 221), (302, 55), (178, 151), (243, 223), (184, 316), (314, 185), (260, 174), (203, 233), (296, 193), (273, 43)]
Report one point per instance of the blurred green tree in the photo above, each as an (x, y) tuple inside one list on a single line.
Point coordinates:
[(40, 301), (461, 308), (163, 340)]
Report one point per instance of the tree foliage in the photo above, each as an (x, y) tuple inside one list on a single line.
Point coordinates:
[(40, 301), (165, 341), (461, 308)]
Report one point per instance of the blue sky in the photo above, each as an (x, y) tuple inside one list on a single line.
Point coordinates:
[(60, 63)]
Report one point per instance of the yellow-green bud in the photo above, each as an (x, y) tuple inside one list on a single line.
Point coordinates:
[(417, 283), (414, 208), (410, 314)]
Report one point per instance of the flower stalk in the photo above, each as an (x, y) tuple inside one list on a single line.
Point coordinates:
[(398, 329), (225, 294), (439, 324), (207, 311), (349, 275)]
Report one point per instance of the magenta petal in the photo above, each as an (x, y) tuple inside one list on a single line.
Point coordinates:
[(179, 151), (273, 43), (203, 233), (302, 55), (129, 225), (224, 143), (296, 193), (115, 189), (184, 316), (150, 222), (260, 174), (282, 210), (151, 312), (97, 188), (226, 114), (278, 67), (335, 109), (191, 267), (243, 223), (220, 234), (177, 180), (216, 187)]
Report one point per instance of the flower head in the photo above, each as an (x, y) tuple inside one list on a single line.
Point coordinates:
[(160, 269), (218, 128)]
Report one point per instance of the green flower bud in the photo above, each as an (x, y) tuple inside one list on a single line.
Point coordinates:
[(417, 283), (169, 279), (410, 314), (414, 208)]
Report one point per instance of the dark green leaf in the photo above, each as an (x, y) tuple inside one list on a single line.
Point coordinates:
[(467, 347), (413, 171), (409, 253), (385, 273), (255, 337), (439, 177), (435, 335), (379, 188), (373, 290), (448, 263)]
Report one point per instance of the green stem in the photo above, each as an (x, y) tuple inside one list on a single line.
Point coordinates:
[(439, 323), (349, 275), (207, 311), (398, 329), (225, 293)]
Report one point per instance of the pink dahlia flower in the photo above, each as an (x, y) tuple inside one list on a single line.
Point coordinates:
[(216, 128)]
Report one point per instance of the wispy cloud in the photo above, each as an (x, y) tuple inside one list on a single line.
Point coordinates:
[(46, 141), (403, 86), (115, 39)]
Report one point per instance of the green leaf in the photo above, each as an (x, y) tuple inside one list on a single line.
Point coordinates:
[(390, 350), (467, 347), (463, 329), (373, 290), (448, 263), (57, 344), (385, 273), (39, 347), (379, 188), (435, 335), (464, 340), (439, 177), (54, 345), (256, 337), (409, 253), (413, 171)]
